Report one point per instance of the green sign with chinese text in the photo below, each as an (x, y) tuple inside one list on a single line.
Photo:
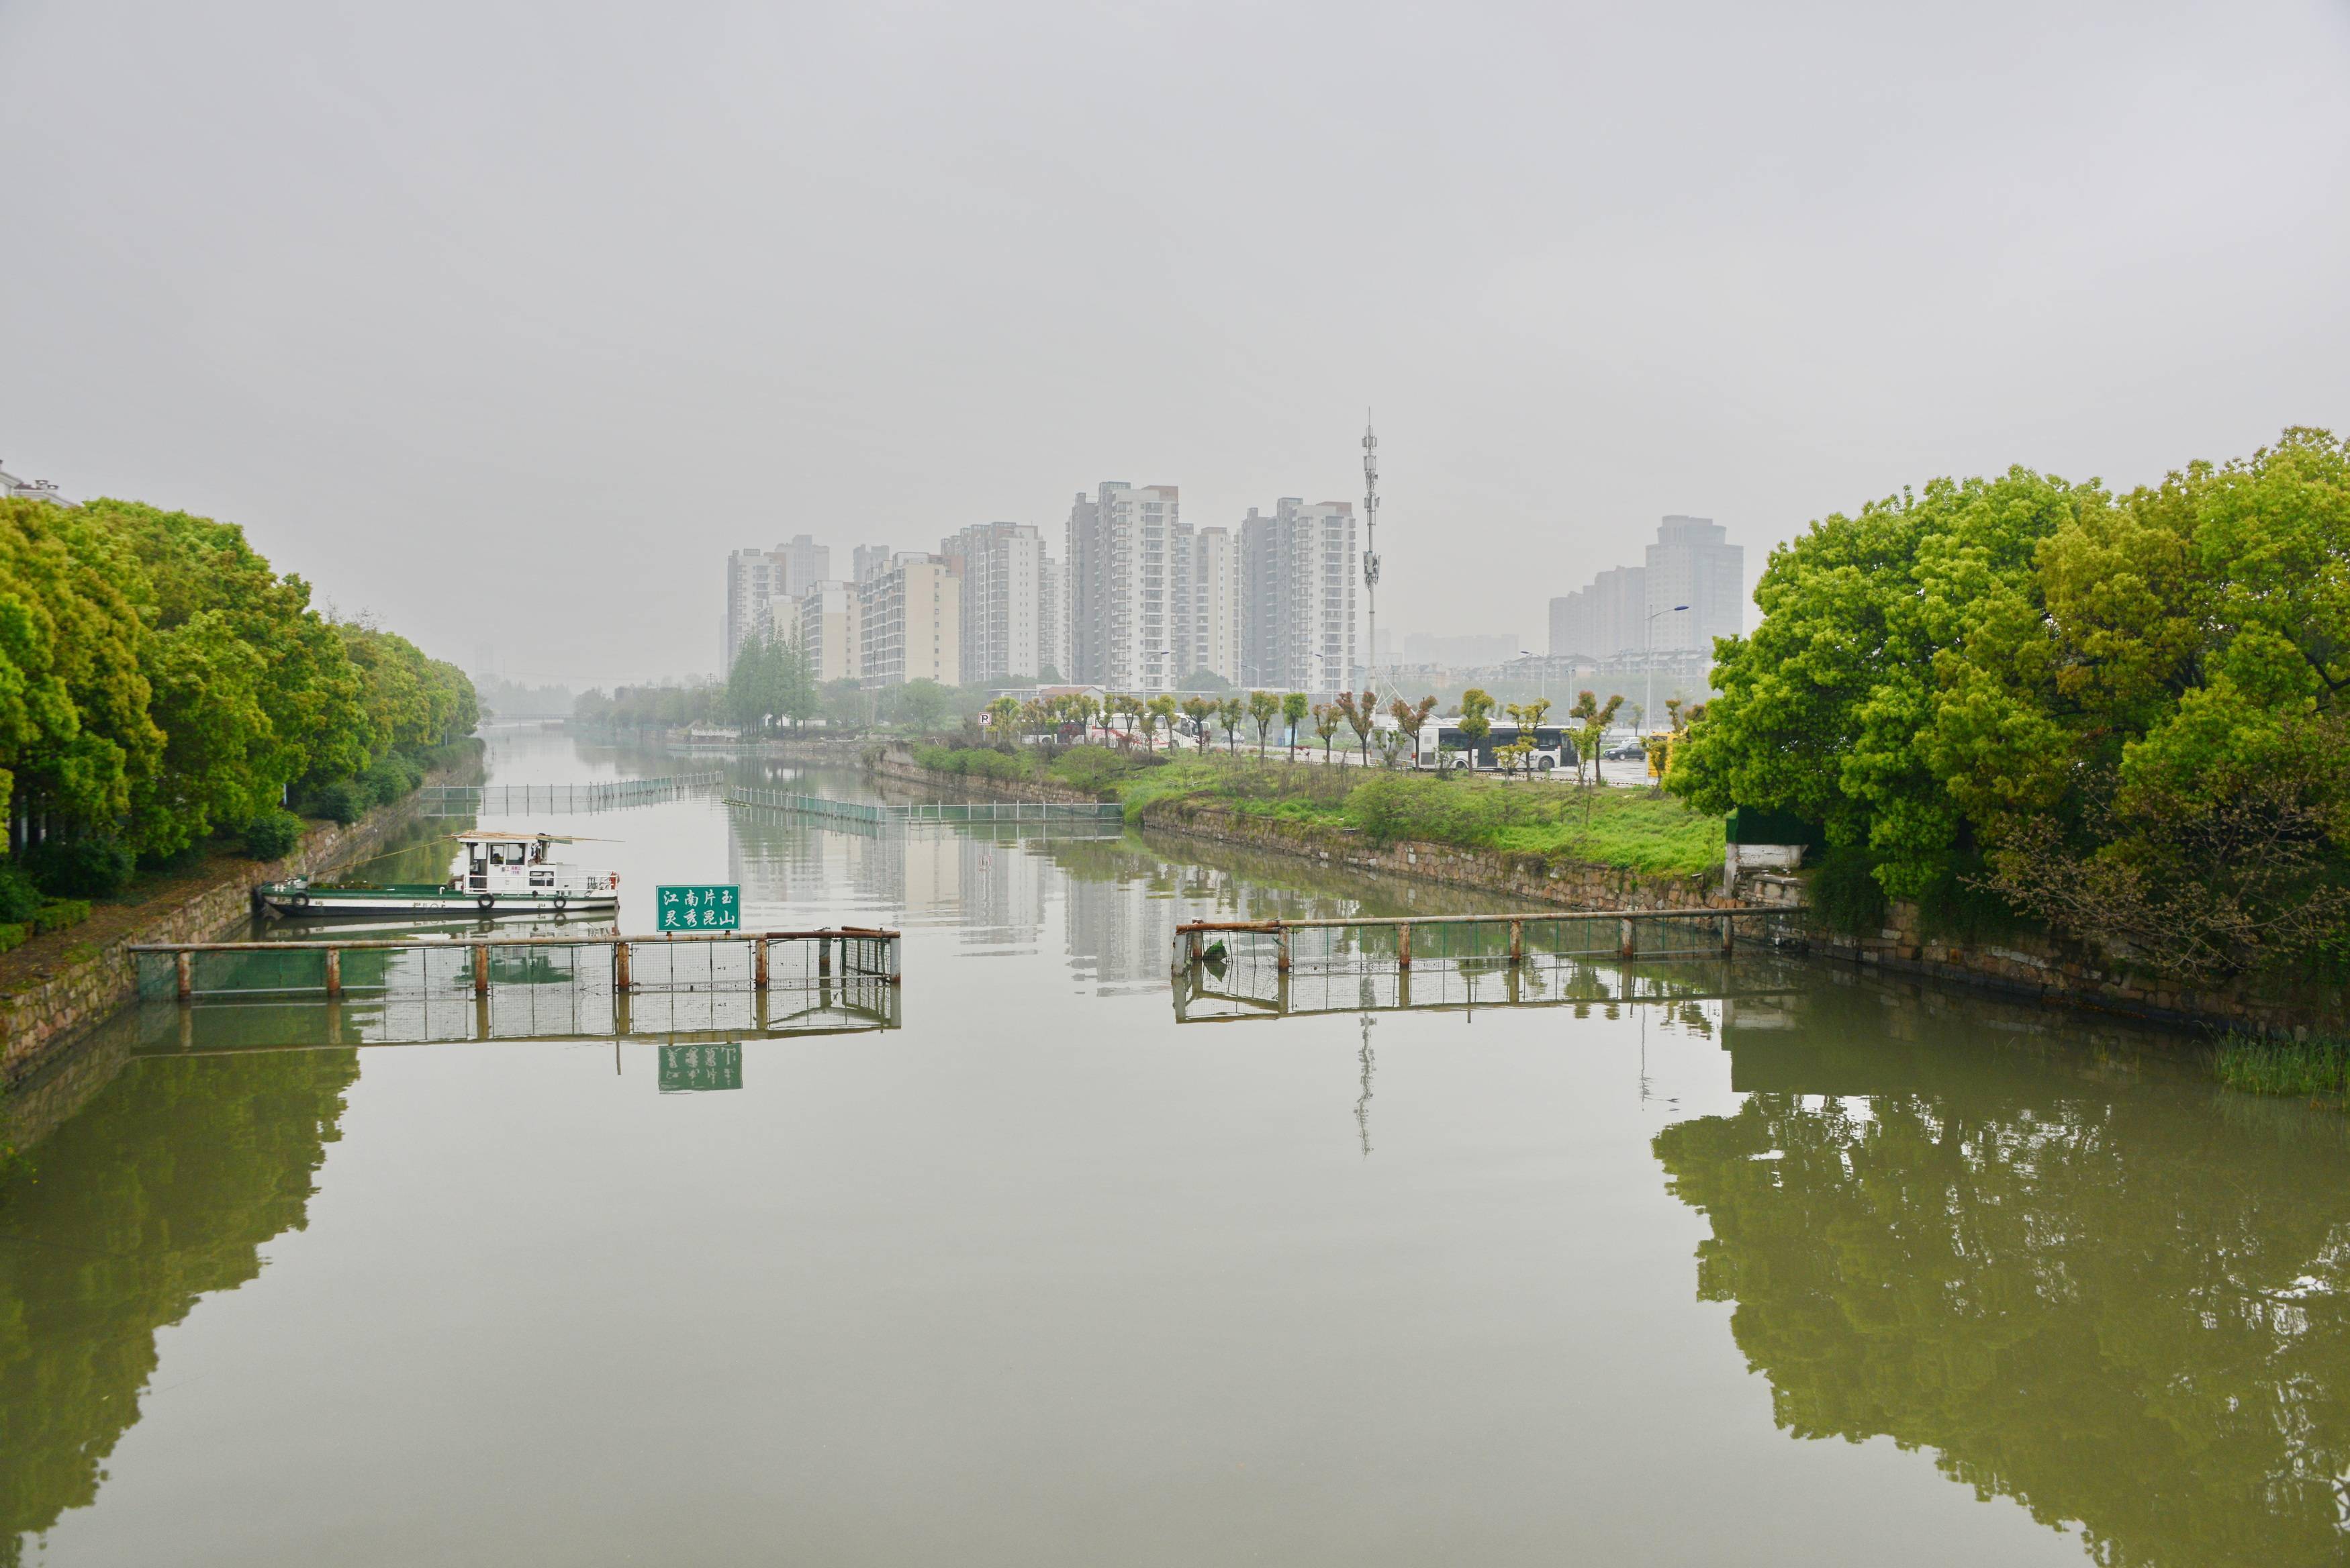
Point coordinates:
[(699, 906)]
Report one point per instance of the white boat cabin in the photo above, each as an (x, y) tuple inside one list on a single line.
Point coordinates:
[(509, 863)]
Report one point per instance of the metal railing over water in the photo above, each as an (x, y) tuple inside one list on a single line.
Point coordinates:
[(519, 799), (862, 811), (409, 989), (1554, 957)]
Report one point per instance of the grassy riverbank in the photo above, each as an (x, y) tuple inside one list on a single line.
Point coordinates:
[(1634, 829)]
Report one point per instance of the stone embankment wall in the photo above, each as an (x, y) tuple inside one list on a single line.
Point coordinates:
[(77, 994), (2046, 969)]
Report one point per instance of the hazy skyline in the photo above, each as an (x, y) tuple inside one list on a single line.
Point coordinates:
[(596, 294)]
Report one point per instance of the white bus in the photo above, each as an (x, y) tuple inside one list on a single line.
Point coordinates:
[(1553, 747)]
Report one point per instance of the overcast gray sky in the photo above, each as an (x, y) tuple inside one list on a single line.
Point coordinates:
[(593, 294)]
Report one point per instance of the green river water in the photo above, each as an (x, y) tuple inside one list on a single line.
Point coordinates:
[(1788, 1266)]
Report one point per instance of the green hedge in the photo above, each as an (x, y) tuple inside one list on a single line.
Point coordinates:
[(13, 937), (60, 913)]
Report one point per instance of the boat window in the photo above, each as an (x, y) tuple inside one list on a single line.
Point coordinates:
[(505, 853)]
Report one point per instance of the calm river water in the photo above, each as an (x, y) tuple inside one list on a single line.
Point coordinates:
[(1818, 1270)]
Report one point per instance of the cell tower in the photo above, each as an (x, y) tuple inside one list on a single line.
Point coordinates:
[(1370, 548)]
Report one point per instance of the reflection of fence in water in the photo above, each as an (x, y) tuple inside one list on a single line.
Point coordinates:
[(1452, 962), (267, 1021)]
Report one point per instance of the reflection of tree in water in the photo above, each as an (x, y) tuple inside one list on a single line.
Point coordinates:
[(2122, 1305), (158, 1193)]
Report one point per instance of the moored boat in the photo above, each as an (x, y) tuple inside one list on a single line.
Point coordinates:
[(494, 874)]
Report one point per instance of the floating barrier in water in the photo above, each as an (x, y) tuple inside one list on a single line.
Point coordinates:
[(863, 813), (521, 799)]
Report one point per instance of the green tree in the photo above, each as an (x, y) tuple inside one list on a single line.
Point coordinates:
[(1411, 718), (1476, 718), (1592, 719), (1292, 717), (1264, 707), (1200, 709), (1231, 713), (1326, 718), (1161, 711)]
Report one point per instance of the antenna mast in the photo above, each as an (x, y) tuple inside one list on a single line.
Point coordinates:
[(1370, 547)]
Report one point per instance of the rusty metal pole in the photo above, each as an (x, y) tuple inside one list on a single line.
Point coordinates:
[(759, 964), (183, 965), (1280, 949), (620, 977), (1517, 943), (334, 971), (481, 968), (1626, 946), (824, 956), (1403, 947)]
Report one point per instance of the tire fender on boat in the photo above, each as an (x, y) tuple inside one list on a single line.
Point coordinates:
[(486, 903)]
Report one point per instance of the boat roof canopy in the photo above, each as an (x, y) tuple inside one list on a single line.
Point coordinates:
[(479, 836)]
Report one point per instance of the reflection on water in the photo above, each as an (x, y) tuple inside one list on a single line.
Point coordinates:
[(1045, 1276), (160, 1191), (2078, 1278)]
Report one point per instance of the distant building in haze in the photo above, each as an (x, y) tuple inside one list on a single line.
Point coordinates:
[(826, 624), (1212, 645), (1129, 567), (910, 623), (1300, 570), (1007, 629), (756, 579), (1631, 609), (1457, 652)]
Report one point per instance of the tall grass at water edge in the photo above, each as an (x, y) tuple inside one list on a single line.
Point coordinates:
[(2316, 1069)]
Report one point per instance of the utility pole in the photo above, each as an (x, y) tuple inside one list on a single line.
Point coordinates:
[(1370, 547)]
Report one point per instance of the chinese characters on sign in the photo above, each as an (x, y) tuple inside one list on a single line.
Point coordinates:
[(691, 1069), (708, 907)]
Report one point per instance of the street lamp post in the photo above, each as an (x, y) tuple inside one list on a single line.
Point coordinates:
[(1649, 657)]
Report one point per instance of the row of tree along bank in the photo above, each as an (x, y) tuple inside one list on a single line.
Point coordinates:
[(2022, 702), (160, 685)]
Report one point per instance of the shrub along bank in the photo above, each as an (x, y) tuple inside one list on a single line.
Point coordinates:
[(2119, 716), (1632, 829), (160, 685)]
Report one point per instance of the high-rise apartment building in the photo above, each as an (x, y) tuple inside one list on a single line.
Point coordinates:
[(826, 624), (1630, 609), (1004, 620), (756, 579), (1300, 570), (910, 623), (867, 561), (1053, 615), (1213, 646), (1128, 570)]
